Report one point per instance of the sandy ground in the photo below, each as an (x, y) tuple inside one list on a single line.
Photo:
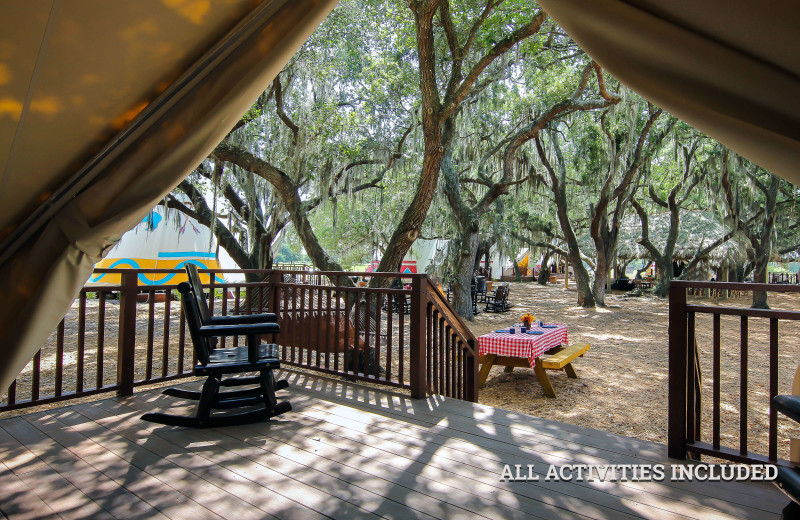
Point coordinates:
[(622, 385)]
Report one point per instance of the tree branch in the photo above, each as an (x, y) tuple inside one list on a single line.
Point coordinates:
[(276, 83), (499, 49)]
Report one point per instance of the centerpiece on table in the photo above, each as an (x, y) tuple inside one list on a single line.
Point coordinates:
[(527, 320)]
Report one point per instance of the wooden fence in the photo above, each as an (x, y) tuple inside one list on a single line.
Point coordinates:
[(118, 337), (689, 433), (783, 278)]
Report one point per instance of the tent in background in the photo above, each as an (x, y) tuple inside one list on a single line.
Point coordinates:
[(423, 257), (162, 240)]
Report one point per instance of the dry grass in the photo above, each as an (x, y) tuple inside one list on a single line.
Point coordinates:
[(623, 378)]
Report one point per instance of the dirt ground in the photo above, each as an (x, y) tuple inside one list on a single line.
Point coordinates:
[(622, 385)]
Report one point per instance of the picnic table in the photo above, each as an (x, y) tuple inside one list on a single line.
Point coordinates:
[(527, 350)]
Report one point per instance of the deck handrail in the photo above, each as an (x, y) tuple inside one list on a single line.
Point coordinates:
[(686, 420), (451, 354), (441, 303), (152, 345)]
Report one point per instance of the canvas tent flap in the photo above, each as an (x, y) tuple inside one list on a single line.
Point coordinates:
[(729, 68), (172, 135), (72, 73)]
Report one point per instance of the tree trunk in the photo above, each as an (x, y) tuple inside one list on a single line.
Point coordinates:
[(600, 278), (585, 296), (434, 149), (606, 245), (544, 272), (760, 276), (462, 294), (665, 276)]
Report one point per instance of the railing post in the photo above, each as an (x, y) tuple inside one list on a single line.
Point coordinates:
[(274, 303), (274, 294), (126, 340), (676, 434), (417, 333), (471, 383)]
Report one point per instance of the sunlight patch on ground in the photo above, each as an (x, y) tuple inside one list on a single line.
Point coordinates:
[(604, 337)]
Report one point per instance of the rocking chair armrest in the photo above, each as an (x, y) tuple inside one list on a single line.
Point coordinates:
[(242, 329), (788, 405), (244, 318)]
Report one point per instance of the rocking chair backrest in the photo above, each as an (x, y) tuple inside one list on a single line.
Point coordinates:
[(501, 293), (197, 291), (202, 345)]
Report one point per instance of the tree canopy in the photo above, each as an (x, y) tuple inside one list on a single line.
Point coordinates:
[(481, 123)]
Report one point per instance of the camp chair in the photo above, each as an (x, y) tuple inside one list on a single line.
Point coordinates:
[(497, 301), (788, 478), (480, 289), (397, 302), (214, 363)]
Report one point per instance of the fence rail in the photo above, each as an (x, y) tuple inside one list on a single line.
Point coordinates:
[(686, 437), (451, 356), (784, 278), (118, 337)]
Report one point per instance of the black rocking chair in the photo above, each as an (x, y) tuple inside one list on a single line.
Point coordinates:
[(480, 289), (498, 300), (214, 363), (788, 479)]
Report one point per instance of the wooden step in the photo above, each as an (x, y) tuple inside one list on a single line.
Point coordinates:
[(568, 355)]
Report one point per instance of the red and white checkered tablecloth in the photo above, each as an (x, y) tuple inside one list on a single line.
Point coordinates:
[(528, 346)]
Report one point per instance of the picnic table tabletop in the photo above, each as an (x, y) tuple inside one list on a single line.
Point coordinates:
[(529, 346)]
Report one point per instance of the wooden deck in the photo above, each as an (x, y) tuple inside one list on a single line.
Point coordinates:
[(346, 451)]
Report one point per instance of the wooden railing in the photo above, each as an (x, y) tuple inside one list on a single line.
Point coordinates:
[(790, 278), (107, 342), (110, 342), (356, 332), (451, 350), (293, 266), (689, 433)]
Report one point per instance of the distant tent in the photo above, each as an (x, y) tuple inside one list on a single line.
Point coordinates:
[(523, 264), (160, 241), (421, 258), (407, 267)]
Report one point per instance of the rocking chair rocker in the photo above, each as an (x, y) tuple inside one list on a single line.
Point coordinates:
[(214, 363)]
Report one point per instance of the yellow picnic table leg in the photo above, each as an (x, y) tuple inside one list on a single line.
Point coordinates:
[(570, 370), (541, 373), (486, 361)]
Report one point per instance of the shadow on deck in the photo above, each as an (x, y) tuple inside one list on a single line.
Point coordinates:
[(345, 451)]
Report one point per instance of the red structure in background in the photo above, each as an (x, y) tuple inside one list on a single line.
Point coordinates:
[(407, 267)]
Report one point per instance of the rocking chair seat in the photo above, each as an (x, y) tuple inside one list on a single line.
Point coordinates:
[(235, 361)]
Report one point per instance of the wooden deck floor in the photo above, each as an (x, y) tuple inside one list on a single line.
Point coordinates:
[(344, 452)]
